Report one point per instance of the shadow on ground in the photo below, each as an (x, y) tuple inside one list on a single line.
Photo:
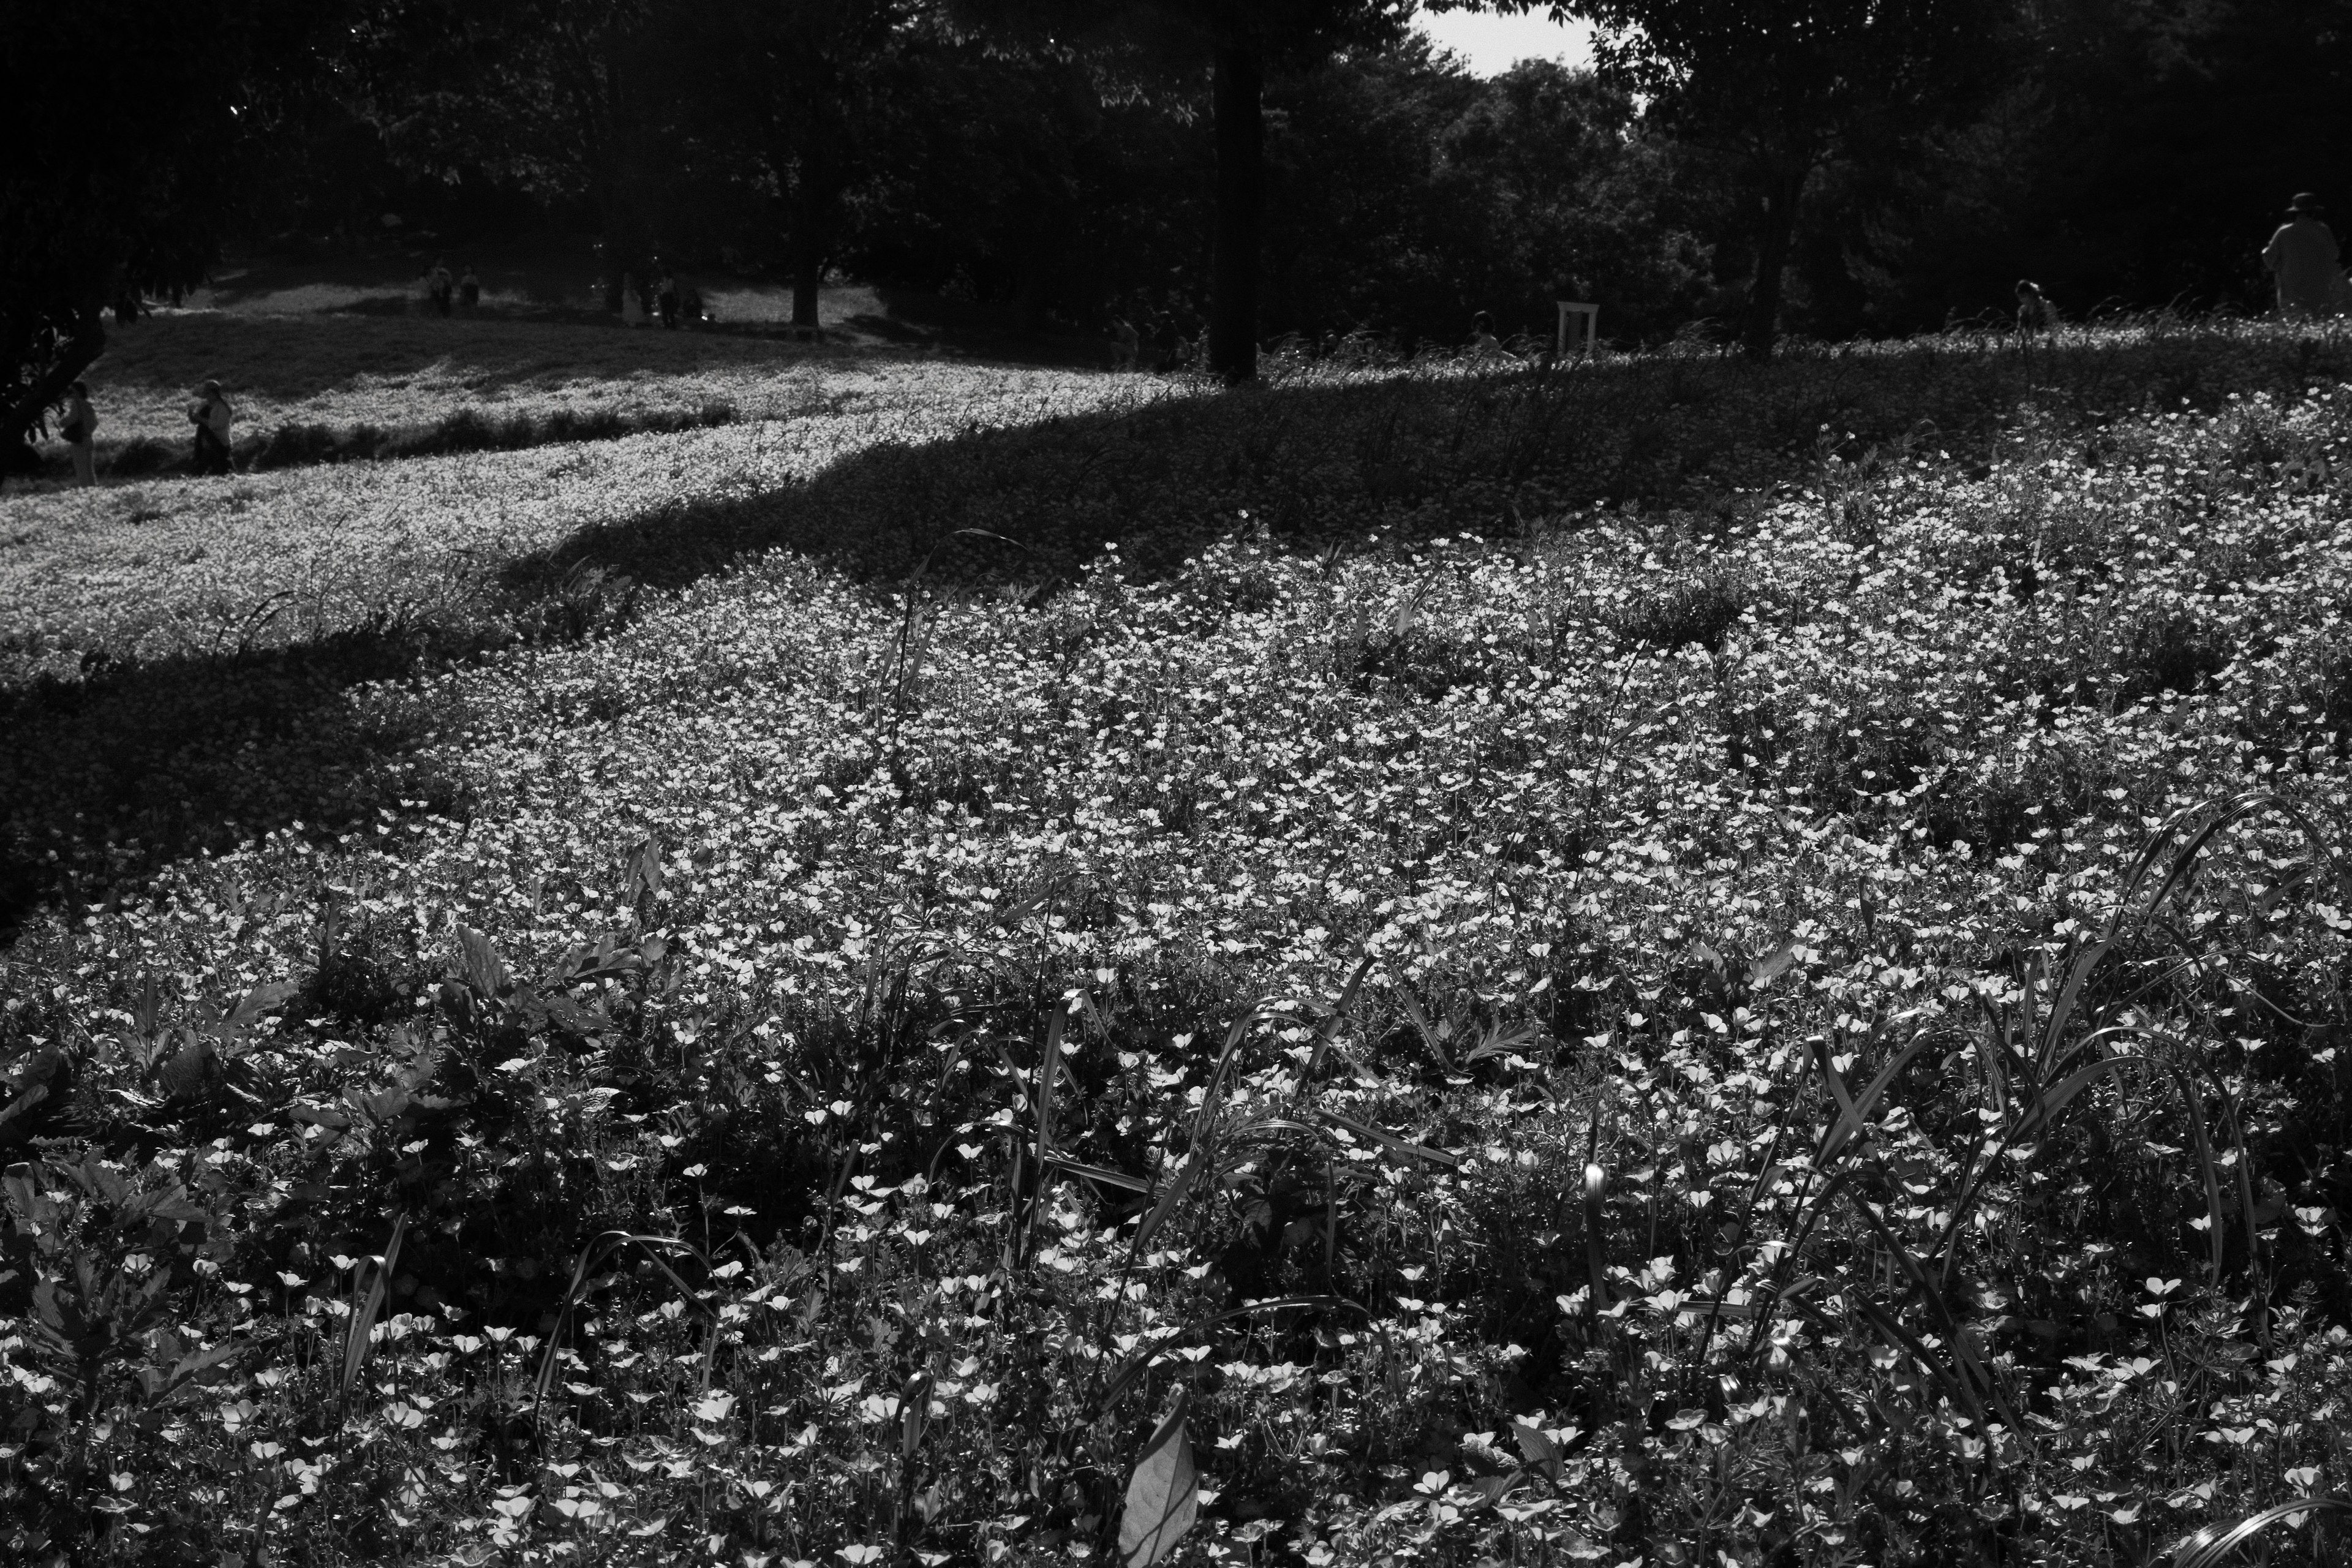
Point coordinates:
[(109, 778)]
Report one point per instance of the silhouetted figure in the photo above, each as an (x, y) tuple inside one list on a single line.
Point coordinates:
[(632, 305), (440, 285), (80, 424), (666, 298), (126, 309), (2302, 255), (2035, 313), (1484, 343), (690, 304), (1126, 343), (469, 289), (211, 415)]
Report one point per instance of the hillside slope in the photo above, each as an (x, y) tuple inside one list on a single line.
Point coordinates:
[(1781, 1006)]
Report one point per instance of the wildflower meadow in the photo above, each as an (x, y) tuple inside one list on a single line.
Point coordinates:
[(1661, 961)]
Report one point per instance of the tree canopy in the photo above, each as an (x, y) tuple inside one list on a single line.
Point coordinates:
[(128, 146), (1822, 166)]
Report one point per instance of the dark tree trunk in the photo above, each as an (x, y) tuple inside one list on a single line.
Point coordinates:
[(1776, 233), (17, 421), (808, 276), (815, 197), (624, 239), (1241, 177)]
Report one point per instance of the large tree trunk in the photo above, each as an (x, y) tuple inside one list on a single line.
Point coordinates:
[(16, 422), (807, 248), (1239, 94), (808, 276), (815, 199), (1776, 233)]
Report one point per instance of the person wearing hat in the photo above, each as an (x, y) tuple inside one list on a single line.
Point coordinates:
[(2302, 255), (211, 416)]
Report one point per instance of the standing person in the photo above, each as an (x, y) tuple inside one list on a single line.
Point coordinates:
[(80, 424), (441, 285), (2302, 255), (666, 298), (469, 289), (2035, 313), (211, 416), (1126, 343), (633, 308)]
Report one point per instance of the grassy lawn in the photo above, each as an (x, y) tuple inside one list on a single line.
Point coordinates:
[(316, 387), (1674, 962)]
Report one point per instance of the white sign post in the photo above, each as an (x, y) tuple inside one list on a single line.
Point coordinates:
[(1589, 325)]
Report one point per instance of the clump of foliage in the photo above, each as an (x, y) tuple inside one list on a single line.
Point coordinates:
[(1798, 1021)]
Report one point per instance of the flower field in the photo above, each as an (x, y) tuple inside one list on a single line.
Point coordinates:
[(1669, 962)]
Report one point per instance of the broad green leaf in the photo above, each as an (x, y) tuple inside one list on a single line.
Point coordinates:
[(1162, 1495)]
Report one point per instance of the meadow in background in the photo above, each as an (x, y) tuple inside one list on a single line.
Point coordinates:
[(331, 373), (1667, 960)]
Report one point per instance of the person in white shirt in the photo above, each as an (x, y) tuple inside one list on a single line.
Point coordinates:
[(211, 415), (1484, 343), (80, 424)]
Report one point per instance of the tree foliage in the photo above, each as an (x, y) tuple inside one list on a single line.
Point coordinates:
[(127, 143), (1238, 42), (1776, 89)]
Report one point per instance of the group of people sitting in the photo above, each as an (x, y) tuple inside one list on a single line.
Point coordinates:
[(662, 300), (1167, 339)]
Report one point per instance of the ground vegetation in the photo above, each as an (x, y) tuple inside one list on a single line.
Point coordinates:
[(1674, 961)]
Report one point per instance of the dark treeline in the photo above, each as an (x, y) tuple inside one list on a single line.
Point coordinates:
[(2124, 151), (1739, 167)]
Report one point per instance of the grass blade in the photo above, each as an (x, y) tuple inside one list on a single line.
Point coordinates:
[(1049, 1070), (1099, 1173), (1169, 1195), (1596, 1262), (1903, 1338), (1391, 1141), (2209, 1545), (360, 1341), (1323, 1035), (2242, 1166), (2222, 813), (1969, 1364), (1853, 1113), (1031, 1193), (2195, 1104), (2048, 1104), (604, 1245), (1428, 1033)]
